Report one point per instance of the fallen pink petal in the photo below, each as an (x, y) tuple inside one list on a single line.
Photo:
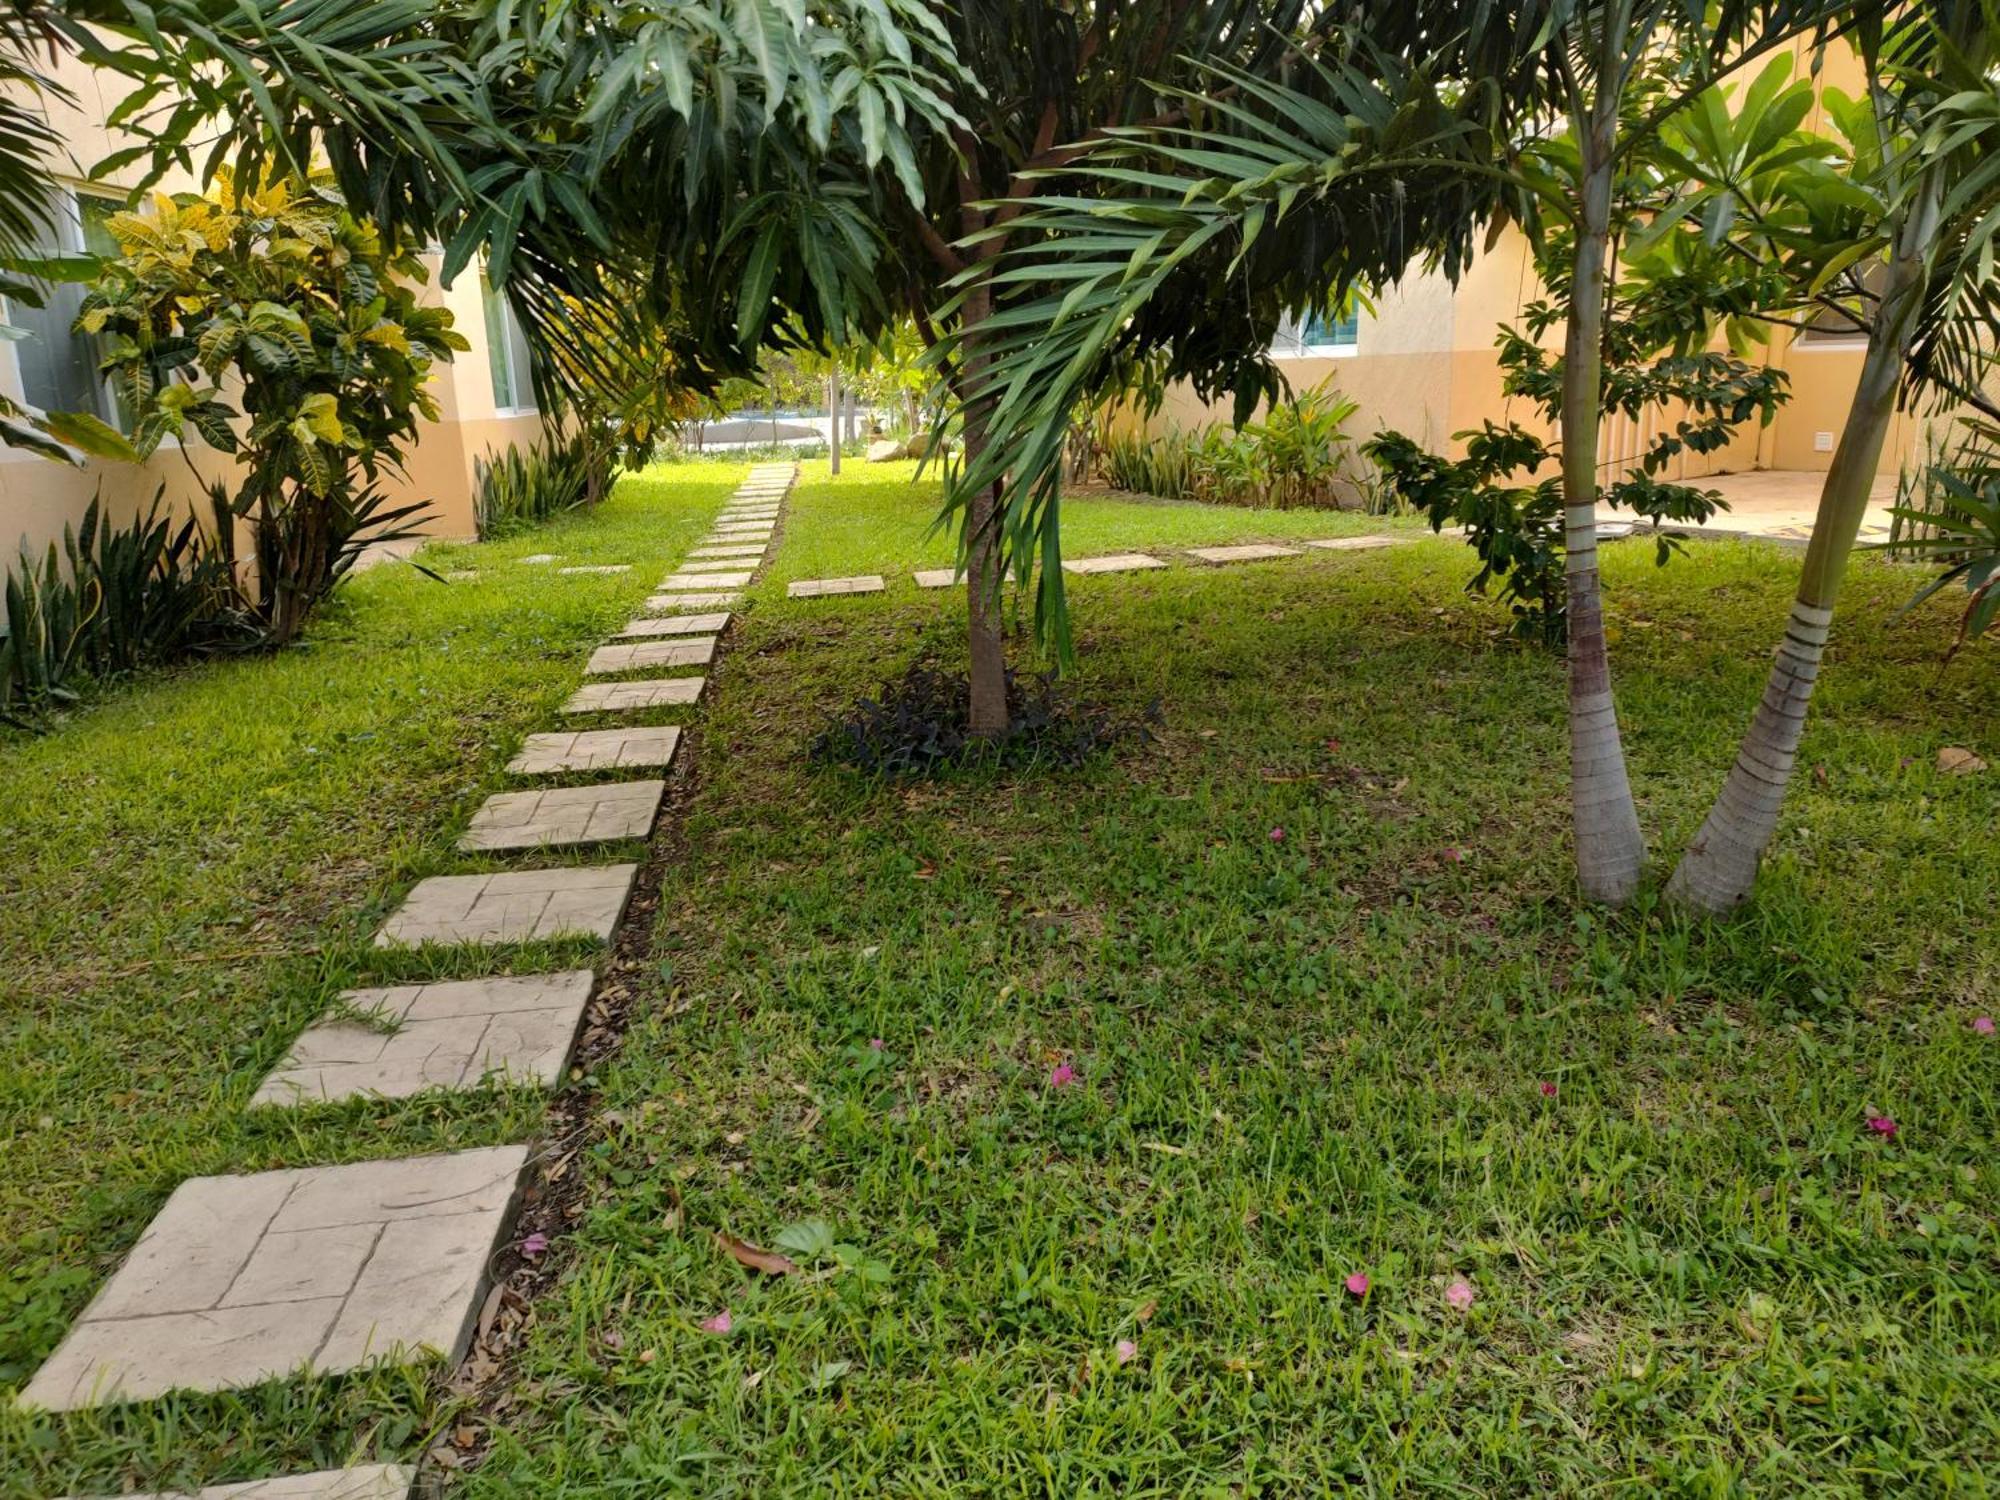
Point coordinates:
[(874, 1044), (720, 1323), (1983, 1025), (1882, 1125), (1062, 1076), (1454, 855), (1126, 1350), (1460, 1294), (1548, 1089), (1358, 1284), (534, 1245), (1277, 835)]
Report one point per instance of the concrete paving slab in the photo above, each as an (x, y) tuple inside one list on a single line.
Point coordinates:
[(627, 697), (820, 588), (627, 656), (565, 817), (514, 906), (1117, 562), (596, 750)]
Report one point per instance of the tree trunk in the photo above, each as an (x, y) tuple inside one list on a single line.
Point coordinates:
[(1610, 849), (833, 423), (1719, 869), (989, 716)]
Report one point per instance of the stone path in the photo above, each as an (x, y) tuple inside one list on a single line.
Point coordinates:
[(657, 625), (1356, 543), (565, 816), (241, 1279), (595, 750), (1117, 562), (820, 588), (368, 1482), (1255, 552), (698, 652), (935, 578), (517, 906), (625, 697), (458, 1034)]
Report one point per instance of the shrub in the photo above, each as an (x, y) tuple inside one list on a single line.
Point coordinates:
[(1951, 518), (1299, 456), (917, 727), (288, 297), (516, 490)]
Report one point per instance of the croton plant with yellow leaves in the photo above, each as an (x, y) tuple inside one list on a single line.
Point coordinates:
[(277, 327)]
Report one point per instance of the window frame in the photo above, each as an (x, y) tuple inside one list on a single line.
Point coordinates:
[(498, 317), (1291, 342), (68, 224)]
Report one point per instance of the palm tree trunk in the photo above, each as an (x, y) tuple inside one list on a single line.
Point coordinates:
[(1610, 849), (989, 717), (833, 423), (1719, 868)]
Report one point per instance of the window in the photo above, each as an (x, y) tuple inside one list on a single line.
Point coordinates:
[(1827, 329), (58, 367), (1319, 334), (506, 353)]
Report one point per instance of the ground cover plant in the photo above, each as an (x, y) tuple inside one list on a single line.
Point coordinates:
[(1253, 1111), (194, 867)]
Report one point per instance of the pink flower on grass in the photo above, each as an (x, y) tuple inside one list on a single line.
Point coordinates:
[(1883, 1126), (720, 1323), (1062, 1076), (1357, 1283), (1454, 855), (874, 1044), (1460, 1294), (1277, 835), (1983, 1025), (1548, 1089), (534, 1245), (1126, 1351)]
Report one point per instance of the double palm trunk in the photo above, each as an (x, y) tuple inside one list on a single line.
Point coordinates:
[(1610, 849), (1720, 866)]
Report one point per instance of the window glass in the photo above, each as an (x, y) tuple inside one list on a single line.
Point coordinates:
[(58, 366), (506, 353), (1322, 331)]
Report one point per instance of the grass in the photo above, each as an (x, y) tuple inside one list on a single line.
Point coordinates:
[(194, 869), (1296, 1057)]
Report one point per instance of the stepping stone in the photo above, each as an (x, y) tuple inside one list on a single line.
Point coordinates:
[(456, 1035), (462, 575), (565, 815), (734, 549), (820, 588), (711, 566), (366, 1482), (663, 603), (538, 559), (1117, 562), (675, 625), (935, 578), (743, 528), (1353, 543), (518, 906), (596, 750), (245, 1279), (1255, 552), (624, 657), (621, 697), (600, 568), (705, 581)]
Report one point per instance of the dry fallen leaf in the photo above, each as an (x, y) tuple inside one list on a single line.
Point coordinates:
[(770, 1262), (1953, 761), (1145, 1313)]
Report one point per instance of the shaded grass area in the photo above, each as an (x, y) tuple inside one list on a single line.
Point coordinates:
[(874, 520), (1311, 956), (193, 869)]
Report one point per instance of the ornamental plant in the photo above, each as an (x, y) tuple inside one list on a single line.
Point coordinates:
[(277, 327)]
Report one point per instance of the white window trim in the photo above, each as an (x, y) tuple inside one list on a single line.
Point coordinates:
[(1288, 345), (518, 378), (70, 231)]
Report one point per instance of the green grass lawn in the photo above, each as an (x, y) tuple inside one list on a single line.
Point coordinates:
[(1308, 957)]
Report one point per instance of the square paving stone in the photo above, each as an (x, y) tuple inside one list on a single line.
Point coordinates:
[(625, 656), (675, 625), (820, 588), (1353, 543), (516, 906), (757, 529), (737, 549), (452, 1035), (711, 565), (1254, 552), (599, 568), (935, 578), (1117, 562), (704, 581), (565, 816), (245, 1279), (627, 697), (540, 559), (666, 603), (595, 750), (364, 1482)]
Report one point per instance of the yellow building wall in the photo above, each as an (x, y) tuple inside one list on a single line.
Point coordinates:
[(39, 497)]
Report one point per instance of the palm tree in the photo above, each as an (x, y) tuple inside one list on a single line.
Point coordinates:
[(1936, 113), (1352, 137)]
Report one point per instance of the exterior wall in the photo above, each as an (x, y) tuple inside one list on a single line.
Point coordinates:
[(39, 497)]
